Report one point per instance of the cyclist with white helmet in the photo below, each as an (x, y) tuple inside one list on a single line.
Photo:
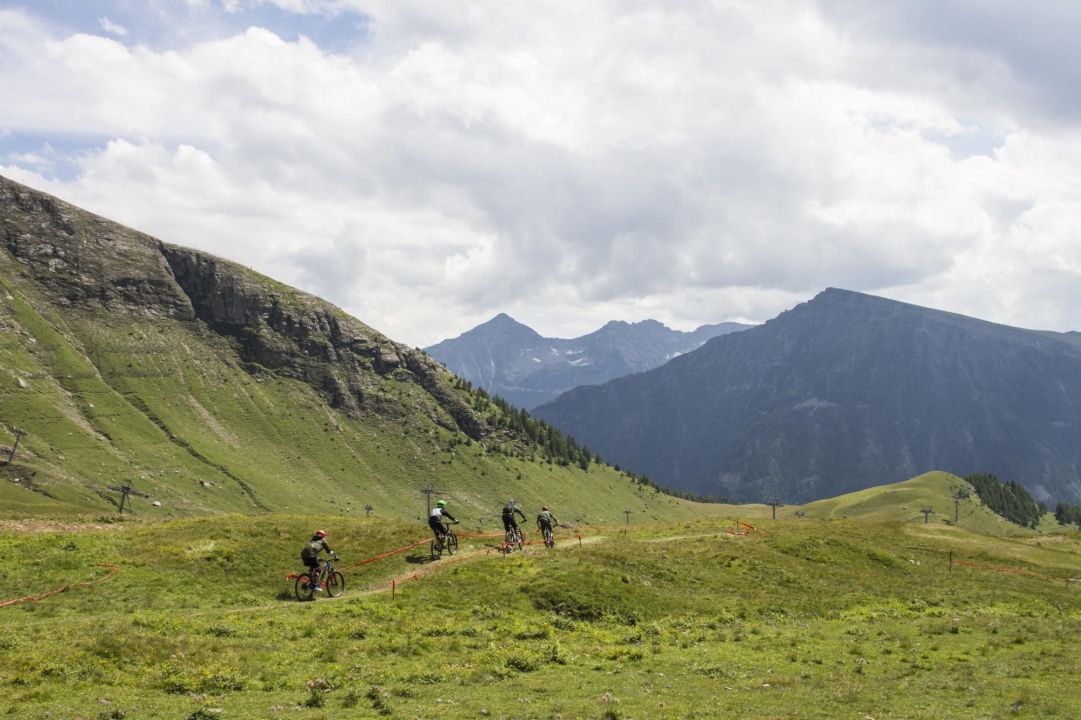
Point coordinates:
[(435, 520)]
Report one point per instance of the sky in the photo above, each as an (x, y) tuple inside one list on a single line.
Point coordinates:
[(427, 165)]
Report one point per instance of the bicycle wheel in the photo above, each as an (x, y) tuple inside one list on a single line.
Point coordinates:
[(520, 540), (335, 584), (452, 543), (304, 588), (437, 549)]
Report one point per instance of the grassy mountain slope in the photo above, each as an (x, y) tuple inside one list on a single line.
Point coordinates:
[(904, 501), (814, 618), (215, 389)]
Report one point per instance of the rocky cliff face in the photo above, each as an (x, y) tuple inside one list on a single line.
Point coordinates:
[(91, 265), (83, 261), (844, 392)]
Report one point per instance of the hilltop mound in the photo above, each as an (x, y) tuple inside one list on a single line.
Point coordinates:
[(951, 500)]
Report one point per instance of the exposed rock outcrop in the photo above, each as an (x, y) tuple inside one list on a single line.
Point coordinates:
[(89, 264)]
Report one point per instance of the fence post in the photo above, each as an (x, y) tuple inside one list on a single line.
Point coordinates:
[(951, 562), (11, 456)]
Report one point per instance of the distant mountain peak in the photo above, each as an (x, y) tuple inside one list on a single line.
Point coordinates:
[(513, 361), (834, 295), (503, 325), (503, 320), (622, 326)]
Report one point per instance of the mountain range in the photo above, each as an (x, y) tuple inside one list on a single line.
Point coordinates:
[(844, 392), (512, 360), (127, 360)]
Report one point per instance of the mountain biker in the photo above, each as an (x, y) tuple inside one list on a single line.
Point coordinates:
[(508, 517), (310, 555), (435, 520), (545, 520)]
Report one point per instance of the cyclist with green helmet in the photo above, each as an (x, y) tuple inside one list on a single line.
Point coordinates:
[(435, 520)]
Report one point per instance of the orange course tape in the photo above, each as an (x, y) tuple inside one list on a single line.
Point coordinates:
[(113, 570), (387, 554)]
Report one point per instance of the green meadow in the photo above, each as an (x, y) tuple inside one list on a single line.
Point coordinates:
[(811, 615)]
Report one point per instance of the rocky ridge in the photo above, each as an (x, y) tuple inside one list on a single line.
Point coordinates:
[(89, 265), (512, 360)]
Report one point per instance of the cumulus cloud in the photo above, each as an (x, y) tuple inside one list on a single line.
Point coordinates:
[(683, 161)]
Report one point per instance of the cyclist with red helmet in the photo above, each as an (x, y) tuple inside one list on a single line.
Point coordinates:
[(310, 555)]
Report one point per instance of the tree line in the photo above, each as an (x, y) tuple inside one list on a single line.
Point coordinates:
[(1068, 514), (554, 445), (1009, 499)]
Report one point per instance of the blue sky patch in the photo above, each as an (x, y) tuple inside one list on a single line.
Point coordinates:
[(173, 24)]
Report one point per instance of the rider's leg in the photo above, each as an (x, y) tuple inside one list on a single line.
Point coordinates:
[(313, 570)]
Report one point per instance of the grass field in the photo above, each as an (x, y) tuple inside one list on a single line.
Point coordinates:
[(803, 618)]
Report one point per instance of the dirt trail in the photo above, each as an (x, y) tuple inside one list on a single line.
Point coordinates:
[(450, 560), (40, 526), (673, 538)]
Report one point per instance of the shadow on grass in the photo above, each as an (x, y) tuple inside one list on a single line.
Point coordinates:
[(419, 559)]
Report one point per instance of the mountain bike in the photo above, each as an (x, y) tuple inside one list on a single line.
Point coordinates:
[(549, 537), (447, 543), (333, 582), (512, 538)]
